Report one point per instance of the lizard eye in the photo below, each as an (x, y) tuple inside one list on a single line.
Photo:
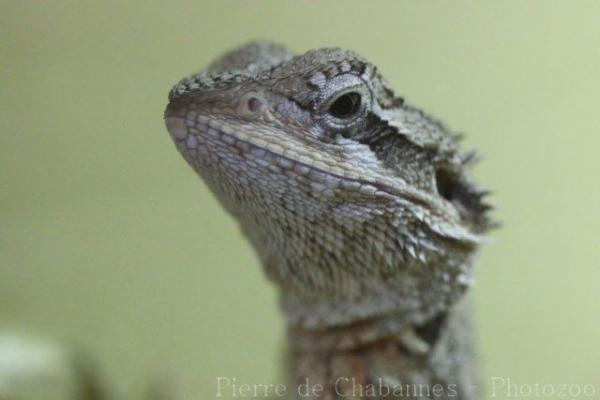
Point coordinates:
[(345, 106), (344, 103)]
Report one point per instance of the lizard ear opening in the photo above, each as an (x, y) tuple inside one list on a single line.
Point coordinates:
[(445, 183)]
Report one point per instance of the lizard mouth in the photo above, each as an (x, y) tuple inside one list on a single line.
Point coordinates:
[(206, 142)]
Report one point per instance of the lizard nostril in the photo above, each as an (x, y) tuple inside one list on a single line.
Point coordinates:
[(251, 104), (255, 104)]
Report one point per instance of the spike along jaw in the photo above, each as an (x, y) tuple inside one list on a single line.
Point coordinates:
[(357, 204)]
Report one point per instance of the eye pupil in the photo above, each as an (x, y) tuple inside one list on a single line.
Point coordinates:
[(345, 106)]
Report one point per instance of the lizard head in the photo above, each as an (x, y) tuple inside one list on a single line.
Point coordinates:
[(333, 178)]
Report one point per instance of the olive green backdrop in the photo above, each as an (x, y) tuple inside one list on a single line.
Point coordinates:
[(109, 241)]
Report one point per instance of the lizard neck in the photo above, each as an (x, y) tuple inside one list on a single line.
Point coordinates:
[(382, 359), (324, 289)]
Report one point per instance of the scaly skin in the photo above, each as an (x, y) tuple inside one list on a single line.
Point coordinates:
[(359, 206)]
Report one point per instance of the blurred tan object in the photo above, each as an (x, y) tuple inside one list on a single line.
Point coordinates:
[(37, 368), (33, 369)]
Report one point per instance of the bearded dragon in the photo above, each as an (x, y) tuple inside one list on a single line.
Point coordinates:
[(361, 210)]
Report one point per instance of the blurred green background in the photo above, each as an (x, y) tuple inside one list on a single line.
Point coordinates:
[(109, 241)]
